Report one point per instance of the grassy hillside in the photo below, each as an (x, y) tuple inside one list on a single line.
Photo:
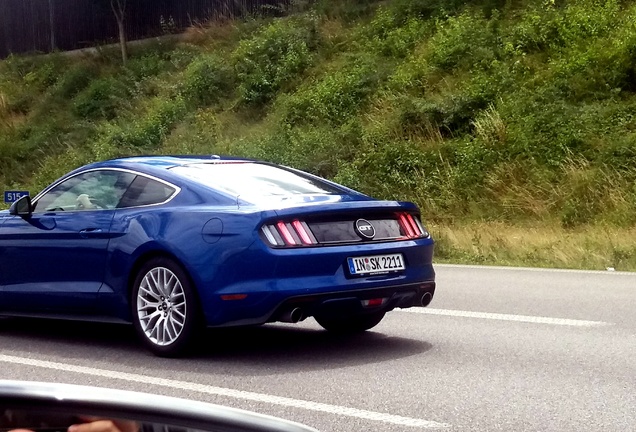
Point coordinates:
[(511, 123)]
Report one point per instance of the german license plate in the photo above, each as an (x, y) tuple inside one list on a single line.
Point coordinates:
[(376, 264)]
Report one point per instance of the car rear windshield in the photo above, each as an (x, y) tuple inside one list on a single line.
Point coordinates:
[(249, 179)]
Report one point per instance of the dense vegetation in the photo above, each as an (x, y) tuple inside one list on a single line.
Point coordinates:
[(511, 123)]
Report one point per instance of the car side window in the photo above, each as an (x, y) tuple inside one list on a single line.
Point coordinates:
[(93, 190), (146, 191)]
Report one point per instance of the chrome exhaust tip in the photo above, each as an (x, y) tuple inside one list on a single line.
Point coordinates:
[(293, 315), (426, 299)]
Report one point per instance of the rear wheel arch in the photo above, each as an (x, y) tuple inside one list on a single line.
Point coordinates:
[(148, 256)]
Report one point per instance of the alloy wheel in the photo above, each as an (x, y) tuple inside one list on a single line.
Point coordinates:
[(161, 306)]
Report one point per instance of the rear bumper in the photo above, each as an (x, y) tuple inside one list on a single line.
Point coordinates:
[(338, 303), (318, 279), (354, 302)]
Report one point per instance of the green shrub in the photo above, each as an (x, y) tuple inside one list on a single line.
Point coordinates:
[(197, 133), (584, 196), (146, 66), (601, 69), (318, 149), (100, 99), (74, 80), (23, 80), (404, 170), (619, 152), (9, 152), (55, 165), (14, 67), (183, 55), (335, 97), (537, 30), (148, 131), (473, 160), (542, 126), (19, 101), (44, 72), (272, 58), (453, 113), (39, 137), (206, 80), (393, 35), (466, 41), (548, 27), (588, 19)]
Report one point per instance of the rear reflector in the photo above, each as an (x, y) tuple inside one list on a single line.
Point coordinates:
[(233, 297), (373, 302)]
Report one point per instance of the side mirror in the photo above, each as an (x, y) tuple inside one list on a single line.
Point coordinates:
[(22, 207), (46, 407)]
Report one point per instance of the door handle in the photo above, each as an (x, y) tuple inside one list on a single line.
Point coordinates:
[(90, 232)]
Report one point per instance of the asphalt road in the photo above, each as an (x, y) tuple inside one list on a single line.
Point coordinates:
[(497, 350)]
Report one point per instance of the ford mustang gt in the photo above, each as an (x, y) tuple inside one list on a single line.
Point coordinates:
[(174, 244)]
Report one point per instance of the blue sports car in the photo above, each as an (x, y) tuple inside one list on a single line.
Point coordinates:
[(174, 244)]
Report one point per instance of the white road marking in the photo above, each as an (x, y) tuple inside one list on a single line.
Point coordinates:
[(507, 317), (226, 392), (537, 269)]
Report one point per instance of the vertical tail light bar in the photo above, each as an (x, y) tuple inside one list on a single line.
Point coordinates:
[(411, 226), (421, 227), (303, 231), (289, 234), (406, 226), (411, 221), (272, 236)]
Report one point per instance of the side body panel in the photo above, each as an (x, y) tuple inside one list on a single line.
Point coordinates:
[(203, 241), (54, 261)]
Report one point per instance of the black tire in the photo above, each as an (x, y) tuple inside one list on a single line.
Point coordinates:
[(350, 324), (165, 309)]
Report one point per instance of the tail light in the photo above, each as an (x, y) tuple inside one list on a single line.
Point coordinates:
[(411, 226), (284, 233), (296, 233)]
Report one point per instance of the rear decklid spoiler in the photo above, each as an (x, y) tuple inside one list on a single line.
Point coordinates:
[(285, 208)]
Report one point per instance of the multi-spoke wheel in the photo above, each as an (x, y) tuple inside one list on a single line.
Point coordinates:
[(350, 324), (164, 307)]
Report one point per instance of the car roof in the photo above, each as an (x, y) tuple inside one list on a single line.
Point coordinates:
[(165, 162), (155, 165), (160, 167)]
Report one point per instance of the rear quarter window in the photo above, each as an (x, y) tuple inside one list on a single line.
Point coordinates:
[(145, 191)]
